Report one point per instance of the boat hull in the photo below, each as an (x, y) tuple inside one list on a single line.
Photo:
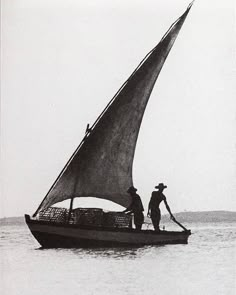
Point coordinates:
[(55, 235)]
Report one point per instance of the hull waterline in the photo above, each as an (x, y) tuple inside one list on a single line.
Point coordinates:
[(55, 235)]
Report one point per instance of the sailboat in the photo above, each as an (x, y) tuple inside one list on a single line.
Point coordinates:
[(101, 167)]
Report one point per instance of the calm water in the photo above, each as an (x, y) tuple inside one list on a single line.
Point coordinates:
[(207, 265)]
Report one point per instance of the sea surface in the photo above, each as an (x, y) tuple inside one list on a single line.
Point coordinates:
[(206, 266)]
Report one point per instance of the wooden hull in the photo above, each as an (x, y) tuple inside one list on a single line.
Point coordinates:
[(55, 235)]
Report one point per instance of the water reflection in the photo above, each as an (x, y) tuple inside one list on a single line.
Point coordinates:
[(114, 253)]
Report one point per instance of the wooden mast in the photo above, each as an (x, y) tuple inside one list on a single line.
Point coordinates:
[(71, 208)]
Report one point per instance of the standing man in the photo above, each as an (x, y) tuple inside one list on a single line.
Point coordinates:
[(135, 207), (153, 207)]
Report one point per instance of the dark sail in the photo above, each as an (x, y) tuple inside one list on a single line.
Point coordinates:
[(102, 164)]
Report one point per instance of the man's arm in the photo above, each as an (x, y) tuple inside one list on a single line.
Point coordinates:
[(129, 209), (149, 209), (168, 209), (149, 206)]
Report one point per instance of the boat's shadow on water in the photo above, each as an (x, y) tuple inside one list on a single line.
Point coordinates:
[(115, 252)]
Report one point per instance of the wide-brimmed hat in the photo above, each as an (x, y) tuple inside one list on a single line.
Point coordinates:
[(131, 189), (161, 186)]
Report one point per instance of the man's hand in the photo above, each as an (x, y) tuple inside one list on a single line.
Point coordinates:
[(172, 217), (148, 215)]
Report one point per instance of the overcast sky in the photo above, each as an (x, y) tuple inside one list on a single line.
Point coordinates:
[(62, 61)]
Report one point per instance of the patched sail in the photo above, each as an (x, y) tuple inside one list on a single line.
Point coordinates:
[(101, 166)]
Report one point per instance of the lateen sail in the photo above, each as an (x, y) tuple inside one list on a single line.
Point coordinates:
[(102, 164)]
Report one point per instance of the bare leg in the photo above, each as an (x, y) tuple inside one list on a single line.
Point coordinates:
[(156, 217)]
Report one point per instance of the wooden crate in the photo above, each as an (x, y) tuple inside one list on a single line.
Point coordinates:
[(54, 214), (116, 219), (88, 216)]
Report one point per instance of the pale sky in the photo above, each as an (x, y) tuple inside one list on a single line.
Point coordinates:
[(62, 61)]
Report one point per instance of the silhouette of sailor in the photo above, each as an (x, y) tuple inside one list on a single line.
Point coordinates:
[(136, 207), (153, 207)]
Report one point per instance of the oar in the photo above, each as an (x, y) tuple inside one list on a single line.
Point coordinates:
[(179, 224)]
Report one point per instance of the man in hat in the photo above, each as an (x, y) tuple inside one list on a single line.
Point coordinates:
[(136, 207), (153, 207)]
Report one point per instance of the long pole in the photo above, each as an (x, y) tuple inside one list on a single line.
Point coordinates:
[(179, 224)]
